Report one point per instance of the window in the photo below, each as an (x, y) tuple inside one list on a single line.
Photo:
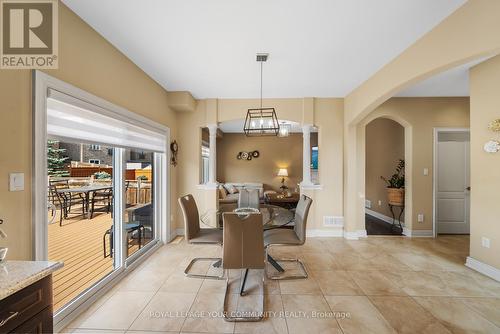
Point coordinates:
[(94, 147), (95, 161), (205, 158)]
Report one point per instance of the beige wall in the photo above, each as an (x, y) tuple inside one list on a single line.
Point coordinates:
[(89, 62), (275, 153), (385, 145), (420, 116), (485, 167), (324, 113), (469, 33)]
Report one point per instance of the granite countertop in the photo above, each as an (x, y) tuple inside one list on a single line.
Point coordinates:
[(16, 275)]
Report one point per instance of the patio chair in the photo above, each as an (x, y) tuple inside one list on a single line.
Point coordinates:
[(65, 200), (290, 237), (196, 235), (131, 229), (243, 248), (103, 199)]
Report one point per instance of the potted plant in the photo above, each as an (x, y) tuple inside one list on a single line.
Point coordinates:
[(396, 185)]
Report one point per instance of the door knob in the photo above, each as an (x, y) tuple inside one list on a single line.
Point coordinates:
[(468, 188)]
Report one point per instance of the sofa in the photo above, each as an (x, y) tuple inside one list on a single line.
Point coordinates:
[(229, 191)]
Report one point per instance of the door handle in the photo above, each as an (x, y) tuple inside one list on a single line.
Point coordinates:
[(468, 188), (10, 317)]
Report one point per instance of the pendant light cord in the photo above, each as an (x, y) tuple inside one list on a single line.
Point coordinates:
[(261, 64)]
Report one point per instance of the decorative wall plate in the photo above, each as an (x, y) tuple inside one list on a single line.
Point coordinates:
[(492, 146)]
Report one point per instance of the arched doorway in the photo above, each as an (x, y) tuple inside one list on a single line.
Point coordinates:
[(384, 167)]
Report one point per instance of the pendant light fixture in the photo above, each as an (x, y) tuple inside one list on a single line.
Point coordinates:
[(285, 129), (261, 121)]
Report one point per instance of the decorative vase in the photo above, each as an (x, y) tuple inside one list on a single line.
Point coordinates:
[(396, 196)]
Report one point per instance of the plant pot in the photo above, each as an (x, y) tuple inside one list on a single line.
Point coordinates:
[(396, 196)]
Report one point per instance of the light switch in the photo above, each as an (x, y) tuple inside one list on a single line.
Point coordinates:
[(16, 181), (420, 218), (426, 171)]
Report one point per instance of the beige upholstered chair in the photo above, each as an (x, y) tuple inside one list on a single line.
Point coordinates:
[(290, 237), (243, 248), (248, 199), (196, 235)]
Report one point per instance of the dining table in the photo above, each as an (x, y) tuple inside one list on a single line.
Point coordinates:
[(86, 191)]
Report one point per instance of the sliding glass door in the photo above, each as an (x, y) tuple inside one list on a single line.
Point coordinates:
[(100, 182)]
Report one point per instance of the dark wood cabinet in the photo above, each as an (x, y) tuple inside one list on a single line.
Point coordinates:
[(28, 310)]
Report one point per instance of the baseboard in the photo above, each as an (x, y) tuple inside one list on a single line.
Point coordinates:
[(382, 217), (483, 268), (355, 235), (178, 232), (320, 233), (419, 233)]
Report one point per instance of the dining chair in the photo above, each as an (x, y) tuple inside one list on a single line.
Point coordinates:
[(248, 199), (196, 235), (290, 237), (243, 248)]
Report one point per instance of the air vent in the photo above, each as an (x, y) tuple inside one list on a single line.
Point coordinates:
[(261, 57), (335, 221)]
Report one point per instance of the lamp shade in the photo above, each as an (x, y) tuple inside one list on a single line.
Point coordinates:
[(283, 172)]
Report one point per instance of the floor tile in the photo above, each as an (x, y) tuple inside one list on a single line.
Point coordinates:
[(309, 314), (119, 311), (397, 311), (300, 286), (337, 282), (488, 308), (274, 321), (165, 312), (375, 283), (361, 315), (456, 316), (206, 314)]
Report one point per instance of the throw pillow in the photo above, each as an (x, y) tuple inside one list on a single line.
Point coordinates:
[(232, 189), (222, 192)]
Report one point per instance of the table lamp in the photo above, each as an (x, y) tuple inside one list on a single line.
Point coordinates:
[(283, 172)]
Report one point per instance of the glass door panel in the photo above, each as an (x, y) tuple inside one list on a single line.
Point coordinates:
[(80, 205), (139, 215)]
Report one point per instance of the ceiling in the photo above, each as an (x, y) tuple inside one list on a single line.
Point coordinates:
[(454, 82), (321, 48)]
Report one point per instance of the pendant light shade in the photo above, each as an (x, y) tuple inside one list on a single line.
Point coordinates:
[(261, 121), (284, 130)]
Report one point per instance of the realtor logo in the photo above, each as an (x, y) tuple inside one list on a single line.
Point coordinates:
[(28, 34)]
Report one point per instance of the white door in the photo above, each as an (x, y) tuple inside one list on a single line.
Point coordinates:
[(453, 187)]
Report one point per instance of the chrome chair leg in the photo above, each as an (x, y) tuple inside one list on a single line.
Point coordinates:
[(280, 275), (239, 316), (197, 259)]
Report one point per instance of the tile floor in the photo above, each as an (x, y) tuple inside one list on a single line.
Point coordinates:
[(375, 285)]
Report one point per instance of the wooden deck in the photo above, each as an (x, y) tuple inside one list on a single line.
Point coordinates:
[(79, 244)]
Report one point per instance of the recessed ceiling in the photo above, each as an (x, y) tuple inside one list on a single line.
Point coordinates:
[(454, 82), (321, 48)]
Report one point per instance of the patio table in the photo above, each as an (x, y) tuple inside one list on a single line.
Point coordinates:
[(85, 190)]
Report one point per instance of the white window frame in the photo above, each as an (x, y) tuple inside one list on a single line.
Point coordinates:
[(94, 147), (93, 161), (41, 84)]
